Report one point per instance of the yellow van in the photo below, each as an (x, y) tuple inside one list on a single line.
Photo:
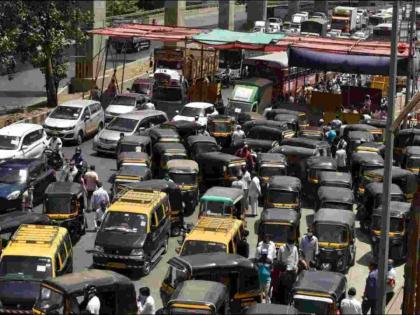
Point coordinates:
[(34, 253), (216, 234)]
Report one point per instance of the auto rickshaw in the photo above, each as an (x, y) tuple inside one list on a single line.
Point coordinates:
[(268, 129), (373, 147), (378, 123), (242, 118), (356, 138), (164, 152), (335, 198), (228, 269), (199, 144), (217, 168), (182, 127), (270, 309), (280, 224), (360, 163), (164, 135), (411, 159), (322, 147), (257, 145), (312, 132), (130, 172), (221, 127), (335, 231), (377, 133), (291, 121), (296, 158), (223, 201), (175, 199), (185, 174), (403, 139), (61, 295), (335, 179), (270, 164), (405, 179), (65, 204), (314, 166), (283, 192), (199, 297), (372, 199), (135, 144), (319, 292), (302, 116), (141, 158)]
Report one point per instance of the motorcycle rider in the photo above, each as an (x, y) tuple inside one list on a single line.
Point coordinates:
[(56, 145), (77, 156)]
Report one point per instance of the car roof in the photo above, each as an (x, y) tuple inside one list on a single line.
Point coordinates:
[(199, 105), (78, 103), (17, 129), (214, 229), (140, 114)]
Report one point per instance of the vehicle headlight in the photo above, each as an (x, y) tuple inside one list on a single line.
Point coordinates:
[(13, 195), (340, 253), (137, 252), (99, 249), (96, 138), (374, 239), (340, 263)]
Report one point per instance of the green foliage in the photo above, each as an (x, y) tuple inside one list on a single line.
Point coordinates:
[(118, 7), (9, 31)]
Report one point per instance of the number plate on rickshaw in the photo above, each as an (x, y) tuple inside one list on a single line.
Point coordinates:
[(116, 265)]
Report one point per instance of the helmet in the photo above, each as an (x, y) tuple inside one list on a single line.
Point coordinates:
[(78, 150)]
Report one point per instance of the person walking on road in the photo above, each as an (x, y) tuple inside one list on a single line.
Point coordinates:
[(390, 281), (146, 303), (99, 196), (91, 179), (371, 291), (238, 134), (246, 178), (349, 305), (99, 215), (254, 193), (268, 246), (309, 247), (264, 271)]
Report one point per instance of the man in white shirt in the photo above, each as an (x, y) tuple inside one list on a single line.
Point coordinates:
[(238, 134), (341, 158), (266, 243), (94, 304), (146, 303), (288, 255), (99, 196), (56, 144), (390, 280), (349, 305), (309, 247)]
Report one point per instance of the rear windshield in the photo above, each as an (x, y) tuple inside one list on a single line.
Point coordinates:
[(277, 196), (200, 247), (122, 124), (27, 267), (331, 233), (57, 205)]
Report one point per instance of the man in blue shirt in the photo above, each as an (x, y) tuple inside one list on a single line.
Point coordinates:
[(371, 293), (330, 135)]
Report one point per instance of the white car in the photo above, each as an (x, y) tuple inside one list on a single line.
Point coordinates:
[(194, 109), (123, 104), (22, 140), (74, 120)]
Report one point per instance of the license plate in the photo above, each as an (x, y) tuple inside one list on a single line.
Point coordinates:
[(116, 265)]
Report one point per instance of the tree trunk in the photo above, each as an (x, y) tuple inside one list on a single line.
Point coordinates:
[(50, 85)]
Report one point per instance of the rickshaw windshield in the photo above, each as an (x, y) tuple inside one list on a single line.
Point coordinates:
[(200, 247), (183, 178), (50, 301), (396, 224), (131, 148), (193, 310), (309, 306), (337, 205), (234, 169), (281, 196), (266, 171), (220, 127), (279, 232), (329, 233), (58, 205), (413, 162), (216, 208)]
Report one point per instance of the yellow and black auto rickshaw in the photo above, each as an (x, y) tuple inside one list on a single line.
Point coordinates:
[(322, 147), (296, 158), (373, 147), (164, 135), (133, 144), (335, 197), (335, 179), (377, 133), (312, 132), (164, 152), (403, 139), (268, 165), (201, 144), (362, 162), (302, 117), (283, 192), (411, 159), (315, 165), (221, 127)]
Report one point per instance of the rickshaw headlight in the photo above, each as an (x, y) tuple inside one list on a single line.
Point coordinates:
[(340, 262), (137, 252), (99, 249), (374, 239), (13, 195)]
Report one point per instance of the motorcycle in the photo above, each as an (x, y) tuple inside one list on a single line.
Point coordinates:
[(225, 79), (53, 159)]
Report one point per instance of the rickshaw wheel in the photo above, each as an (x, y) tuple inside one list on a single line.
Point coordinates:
[(166, 245), (146, 267), (175, 231), (353, 260)]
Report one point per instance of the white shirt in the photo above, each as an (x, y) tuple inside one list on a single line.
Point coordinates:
[(148, 307), (99, 195), (55, 144), (309, 247), (391, 276), (350, 306), (254, 188), (238, 184), (238, 135), (271, 250), (246, 178), (341, 156), (93, 306), (289, 256)]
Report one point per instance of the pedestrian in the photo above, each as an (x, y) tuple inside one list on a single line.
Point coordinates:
[(330, 135), (93, 303), (264, 272), (91, 178), (275, 285), (118, 148), (390, 281), (28, 198), (266, 245), (254, 194), (99, 196), (336, 123), (309, 248), (341, 158), (367, 103), (99, 215), (246, 154), (71, 172), (95, 94), (288, 255), (370, 295), (146, 302), (246, 177), (349, 305), (238, 134)]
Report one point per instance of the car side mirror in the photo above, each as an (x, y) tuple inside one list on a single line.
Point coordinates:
[(24, 147), (87, 117)]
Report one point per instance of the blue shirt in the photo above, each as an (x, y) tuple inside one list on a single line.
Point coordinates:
[(264, 273), (371, 285), (331, 136)]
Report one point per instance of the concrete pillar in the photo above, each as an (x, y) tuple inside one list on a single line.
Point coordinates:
[(294, 7), (256, 11), (175, 12), (87, 54), (321, 6), (227, 14)]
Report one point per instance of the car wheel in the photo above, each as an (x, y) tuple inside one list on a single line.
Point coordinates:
[(147, 266), (79, 139), (166, 245), (175, 231)]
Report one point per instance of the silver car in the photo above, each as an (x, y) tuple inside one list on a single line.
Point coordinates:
[(129, 124)]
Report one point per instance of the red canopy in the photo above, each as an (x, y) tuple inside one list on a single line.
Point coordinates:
[(148, 31)]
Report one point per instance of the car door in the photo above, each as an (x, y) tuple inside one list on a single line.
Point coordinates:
[(161, 219), (154, 234), (38, 177), (89, 121), (28, 147), (96, 115), (38, 138)]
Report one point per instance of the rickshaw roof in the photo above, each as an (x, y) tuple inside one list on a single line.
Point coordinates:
[(210, 262), (154, 184), (378, 123), (396, 172), (271, 158), (202, 291), (64, 188), (292, 150), (9, 222), (76, 282), (285, 111), (163, 133), (321, 162), (258, 143), (200, 139), (270, 309), (374, 145), (304, 142), (180, 125), (336, 216), (140, 156), (413, 150), (414, 131), (264, 122), (161, 147), (335, 177), (339, 194), (219, 156), (370, 158), (136, 140), (265, 129), (376, 188), (258, 82), (290, 118), (327, 282), (221, 118), (397, 209), (281, 182), (360, 135), (228, 195), (182, 165), (280, 215), (132, 170), (359, 127)]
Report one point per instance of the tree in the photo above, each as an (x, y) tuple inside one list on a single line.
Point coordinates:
[(118, 7)]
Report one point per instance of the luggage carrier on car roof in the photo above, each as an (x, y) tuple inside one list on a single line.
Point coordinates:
[(35, 234), (219, 225)]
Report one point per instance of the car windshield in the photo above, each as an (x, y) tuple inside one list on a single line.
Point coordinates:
[(13, 175), (49, 301), (331, 233), (124, 100), (191, 111), (278, 232), (122, 124), (305, 306), (142, 88), (183, 179), (66, 112), (9, 142), (216, 208), (281, 196), (272, 171), (396, 224), (200, 247), (124, 222), (28, 267), (167, 94), (58, 204)]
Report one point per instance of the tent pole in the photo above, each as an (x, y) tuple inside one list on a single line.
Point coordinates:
[(106, 60), (123, 70), (410, 56)]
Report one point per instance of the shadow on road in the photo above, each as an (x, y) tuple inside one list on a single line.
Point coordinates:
[(365, 259), (361, 236)]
